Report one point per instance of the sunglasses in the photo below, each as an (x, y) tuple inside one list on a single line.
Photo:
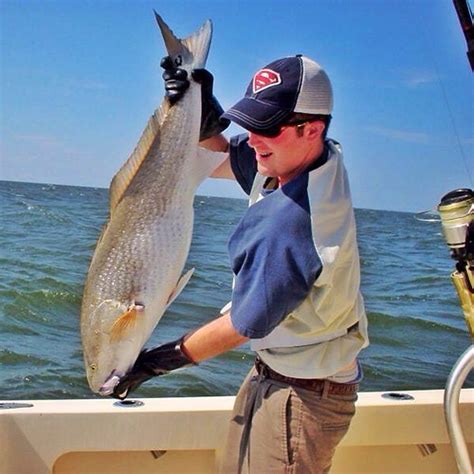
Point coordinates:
[(275, 131)]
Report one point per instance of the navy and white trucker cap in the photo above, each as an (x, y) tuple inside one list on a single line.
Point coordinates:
[(295, 84)]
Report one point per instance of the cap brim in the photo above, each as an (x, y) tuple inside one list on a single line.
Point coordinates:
[(256, 116)]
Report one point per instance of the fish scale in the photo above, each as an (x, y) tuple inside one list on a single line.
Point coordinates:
[(137, 264)]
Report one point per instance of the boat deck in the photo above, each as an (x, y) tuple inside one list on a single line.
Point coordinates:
[(186, 435)]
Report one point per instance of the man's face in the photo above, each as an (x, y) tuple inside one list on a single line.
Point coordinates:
[(289, 153)]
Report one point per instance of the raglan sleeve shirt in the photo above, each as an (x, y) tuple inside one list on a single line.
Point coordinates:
[(272, 253)]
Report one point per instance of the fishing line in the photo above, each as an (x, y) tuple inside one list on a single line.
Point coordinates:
[(451, 116), (450, 112)]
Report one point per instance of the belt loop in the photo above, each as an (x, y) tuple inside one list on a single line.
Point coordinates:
[(327, 385)]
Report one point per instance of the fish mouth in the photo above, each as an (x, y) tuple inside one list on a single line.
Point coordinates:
[(108, 386)]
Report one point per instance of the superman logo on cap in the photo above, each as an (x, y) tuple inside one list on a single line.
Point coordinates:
[(264, 79)]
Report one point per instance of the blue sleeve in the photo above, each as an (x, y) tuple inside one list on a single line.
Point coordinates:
[(242, 161), (274, 260)]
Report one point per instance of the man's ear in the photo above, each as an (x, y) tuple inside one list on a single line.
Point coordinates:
[(315, 129)]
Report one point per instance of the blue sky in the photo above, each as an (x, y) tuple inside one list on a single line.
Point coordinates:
[(79, 80)]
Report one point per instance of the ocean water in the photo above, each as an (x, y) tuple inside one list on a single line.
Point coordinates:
[(48, 234)]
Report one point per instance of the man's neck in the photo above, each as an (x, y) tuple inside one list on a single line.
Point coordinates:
[(312, 156)]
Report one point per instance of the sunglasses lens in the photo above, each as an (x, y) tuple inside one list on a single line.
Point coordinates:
[(270, 132)]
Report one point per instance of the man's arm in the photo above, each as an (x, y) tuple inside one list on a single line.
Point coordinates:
[(212, 339), (176, 84), (219, 143)]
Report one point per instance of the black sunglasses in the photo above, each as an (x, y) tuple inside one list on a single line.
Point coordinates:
[(275, 131)]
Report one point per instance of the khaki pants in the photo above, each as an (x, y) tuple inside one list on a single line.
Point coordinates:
[(279, 428)]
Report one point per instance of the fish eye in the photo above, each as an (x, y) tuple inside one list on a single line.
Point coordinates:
[(93, 366)]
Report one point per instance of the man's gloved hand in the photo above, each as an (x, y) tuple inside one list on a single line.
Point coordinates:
[(211, 123), (176, 80), (151, 363), (176, 84)]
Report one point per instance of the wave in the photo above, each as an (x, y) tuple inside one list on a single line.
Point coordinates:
[(389, 322)]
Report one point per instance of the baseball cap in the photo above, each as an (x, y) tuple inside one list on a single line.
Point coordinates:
[(295, 84)]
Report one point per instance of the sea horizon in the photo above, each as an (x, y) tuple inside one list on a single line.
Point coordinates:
[(202, 195)]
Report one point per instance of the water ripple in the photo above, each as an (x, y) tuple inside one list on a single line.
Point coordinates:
[(47, 238)]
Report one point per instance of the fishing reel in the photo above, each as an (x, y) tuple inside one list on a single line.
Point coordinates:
[(456, 210)]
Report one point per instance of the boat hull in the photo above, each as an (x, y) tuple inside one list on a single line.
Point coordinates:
[(169, 435)]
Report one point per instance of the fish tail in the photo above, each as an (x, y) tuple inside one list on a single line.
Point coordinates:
[(190, 52)]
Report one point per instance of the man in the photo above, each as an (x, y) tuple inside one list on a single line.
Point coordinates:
[(296, 273)]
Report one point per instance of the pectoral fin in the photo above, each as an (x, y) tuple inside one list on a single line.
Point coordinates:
[(125, 321), (179, 286)]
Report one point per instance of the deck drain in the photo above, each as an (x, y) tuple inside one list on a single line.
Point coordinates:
[(11, 405), (129, 404), (397, 396)]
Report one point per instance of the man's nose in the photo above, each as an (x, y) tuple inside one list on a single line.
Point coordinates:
[(254, 139)]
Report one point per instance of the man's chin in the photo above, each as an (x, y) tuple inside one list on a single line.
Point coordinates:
[(264, 171)]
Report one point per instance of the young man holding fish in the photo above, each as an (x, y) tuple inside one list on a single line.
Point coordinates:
[(296, 273)]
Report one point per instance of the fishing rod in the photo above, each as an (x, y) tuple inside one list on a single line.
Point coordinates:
[(464, 13), (456, 211)]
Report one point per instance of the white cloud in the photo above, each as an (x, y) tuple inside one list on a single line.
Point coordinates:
[(419, 78), (400, 135), (39, 143), (44, 141), (85, 84)]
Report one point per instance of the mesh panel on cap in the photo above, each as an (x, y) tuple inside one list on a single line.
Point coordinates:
[(315, 96)]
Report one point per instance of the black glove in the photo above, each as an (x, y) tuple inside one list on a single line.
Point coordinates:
[(211, 123), (176, 84), (151, 363), (176, 80)]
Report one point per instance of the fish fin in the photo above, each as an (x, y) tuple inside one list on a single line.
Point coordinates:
[(125, 321), (193, 53), (182, 282), (129, 169), (102, 233), (193, 50), (205, 163)]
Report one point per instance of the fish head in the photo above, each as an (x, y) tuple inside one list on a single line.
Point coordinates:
[(112, 342)]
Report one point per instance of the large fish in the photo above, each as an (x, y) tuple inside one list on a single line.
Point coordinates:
[(135, 272)]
